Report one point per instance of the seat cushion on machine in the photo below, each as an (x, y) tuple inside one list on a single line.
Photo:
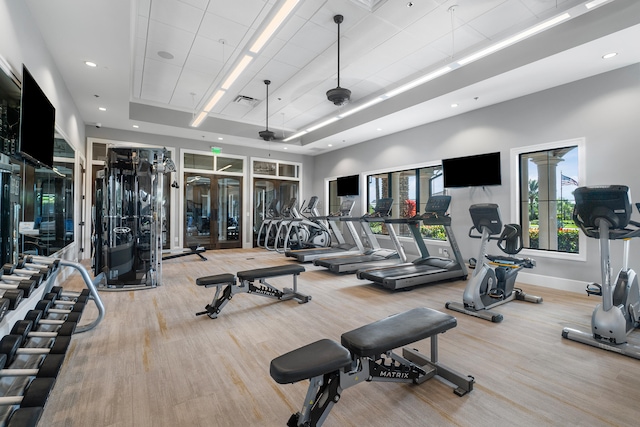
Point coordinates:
[(261, 273), (318, 358), (397, 331)]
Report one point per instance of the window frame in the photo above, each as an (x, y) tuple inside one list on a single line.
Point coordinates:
[(515, 154)]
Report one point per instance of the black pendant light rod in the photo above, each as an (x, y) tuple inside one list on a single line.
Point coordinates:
[(267, 82), (338, 20)]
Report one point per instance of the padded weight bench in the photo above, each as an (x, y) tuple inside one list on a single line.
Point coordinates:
[(226, 286), (366, 354)]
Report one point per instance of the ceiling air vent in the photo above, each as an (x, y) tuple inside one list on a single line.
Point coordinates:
[(370, 5), (246, 100)]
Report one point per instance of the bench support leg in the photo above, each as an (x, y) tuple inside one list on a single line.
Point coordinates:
[(224, 293), (464, 383), (323, 392)]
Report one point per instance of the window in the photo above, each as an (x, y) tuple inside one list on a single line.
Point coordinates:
[(410, 190), (547, 175)]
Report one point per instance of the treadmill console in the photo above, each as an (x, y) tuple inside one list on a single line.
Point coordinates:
[(435, 212), (345, 208), (436, 206), (383, 208)]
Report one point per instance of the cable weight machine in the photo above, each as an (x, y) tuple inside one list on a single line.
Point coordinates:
[(129, 217)]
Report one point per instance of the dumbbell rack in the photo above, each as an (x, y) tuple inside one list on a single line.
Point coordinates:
[(26, 384), (45, 287)]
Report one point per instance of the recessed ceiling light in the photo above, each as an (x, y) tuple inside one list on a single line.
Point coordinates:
[(90, 64), (330, 145), (379, 129), (285, 148), (454, 105), (136, 126), (102, 109), (220, 138), (609, 55)]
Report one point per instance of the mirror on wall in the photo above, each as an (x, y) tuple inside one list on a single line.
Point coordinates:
[(37, 203), (47, 200)]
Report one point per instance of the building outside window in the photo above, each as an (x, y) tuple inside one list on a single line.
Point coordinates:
[(548, 175)]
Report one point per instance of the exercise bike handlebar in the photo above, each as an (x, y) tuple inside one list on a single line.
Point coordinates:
[(509, 241)]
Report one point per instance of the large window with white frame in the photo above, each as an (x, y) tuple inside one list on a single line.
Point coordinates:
[(547, 176)]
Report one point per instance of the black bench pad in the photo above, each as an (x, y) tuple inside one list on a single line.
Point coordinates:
[(318, 358), (216, 279), (261, 273), (397, 331)]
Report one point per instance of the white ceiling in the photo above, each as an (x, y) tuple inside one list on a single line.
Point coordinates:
[(383, 43)]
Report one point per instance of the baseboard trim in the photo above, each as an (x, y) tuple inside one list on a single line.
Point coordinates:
[(576, 286)]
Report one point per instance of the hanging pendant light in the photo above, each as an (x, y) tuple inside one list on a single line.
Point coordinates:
[(338, 95), (266, 134)]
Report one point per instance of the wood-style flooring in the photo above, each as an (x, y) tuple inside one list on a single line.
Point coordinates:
[(152, 362)]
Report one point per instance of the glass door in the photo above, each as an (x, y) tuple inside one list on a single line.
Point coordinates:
[(212, 211)]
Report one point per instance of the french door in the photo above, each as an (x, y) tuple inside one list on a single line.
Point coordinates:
[(212, 211)]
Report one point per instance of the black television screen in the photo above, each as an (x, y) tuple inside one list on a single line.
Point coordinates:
[(37, 123), (348, 185), (472, 171)]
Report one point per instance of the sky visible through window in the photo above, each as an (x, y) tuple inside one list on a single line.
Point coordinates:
[(568, 169)]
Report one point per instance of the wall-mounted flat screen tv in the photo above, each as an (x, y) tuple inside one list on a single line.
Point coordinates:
[(348, 185), (37, 123), (472, 171)]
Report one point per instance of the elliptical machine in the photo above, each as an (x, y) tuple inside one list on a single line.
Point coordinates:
[(493, 282), (604, 213)]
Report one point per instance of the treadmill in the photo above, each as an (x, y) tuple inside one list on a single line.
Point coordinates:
[(375, 256), (426, 268), (342, 248)]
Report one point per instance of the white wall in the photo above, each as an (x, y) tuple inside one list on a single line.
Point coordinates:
[(22, 43), (604, 109)]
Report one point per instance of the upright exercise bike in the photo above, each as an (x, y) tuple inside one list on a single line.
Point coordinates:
[(604, 213), (494, 276)]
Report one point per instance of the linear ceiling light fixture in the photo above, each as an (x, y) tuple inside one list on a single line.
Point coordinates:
[(273, 25), (244, 62), (515, 39), (268, 31), (295, 135), (595, 3), (464, 61)]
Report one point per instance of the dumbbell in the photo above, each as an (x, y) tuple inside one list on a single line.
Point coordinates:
[(10, 269), (35, 395), (48, 307), (27, 328), (52, 263), (25, 417), (13, 297), (49, 367), (76, 303), (37, 317), (26, 285), (12, 344), (40, 259), (45, 270)]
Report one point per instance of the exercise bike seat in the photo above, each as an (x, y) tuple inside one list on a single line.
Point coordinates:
[(397, 331), (318, 358)]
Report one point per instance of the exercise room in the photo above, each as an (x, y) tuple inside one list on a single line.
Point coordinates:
[(319, 213)]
